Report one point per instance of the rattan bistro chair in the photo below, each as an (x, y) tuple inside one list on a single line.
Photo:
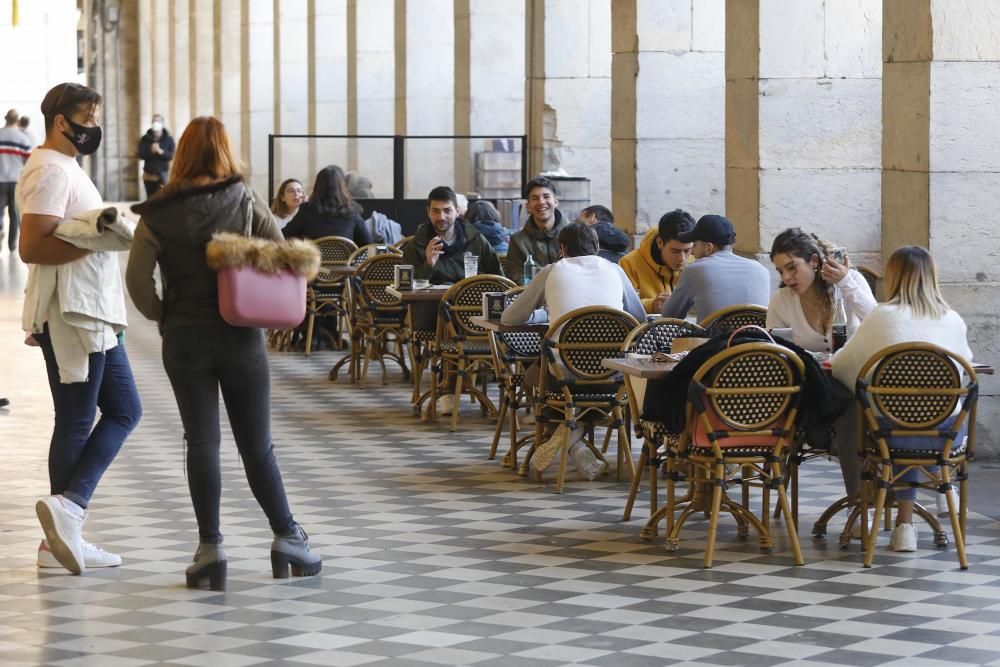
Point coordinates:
[(513, 353), (731, 318), (325, 295), (741, 412), (917, 391), (574, 384), (651, 337), (872, 276), (380, 317), (462, 348)]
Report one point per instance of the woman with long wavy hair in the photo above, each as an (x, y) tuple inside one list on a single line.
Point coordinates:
[(207, 194), (330, 211)]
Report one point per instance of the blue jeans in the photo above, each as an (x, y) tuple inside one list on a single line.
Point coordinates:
[(199, 362), (80, 452), (920, 443)]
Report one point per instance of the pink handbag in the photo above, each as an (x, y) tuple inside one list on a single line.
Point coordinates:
[(249, 297)]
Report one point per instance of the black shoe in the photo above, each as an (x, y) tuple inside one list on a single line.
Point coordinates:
[(209, 565), (292, 550), (4, 402)]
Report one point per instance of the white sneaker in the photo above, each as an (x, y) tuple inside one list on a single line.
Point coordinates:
[(93, 556), (904, 537), (587, 463), (942, 502), (546, 452), (62, 521), (445, 404), (856, 529)]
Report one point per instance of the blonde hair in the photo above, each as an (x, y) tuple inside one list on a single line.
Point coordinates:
[(204, 152), (911, 280)]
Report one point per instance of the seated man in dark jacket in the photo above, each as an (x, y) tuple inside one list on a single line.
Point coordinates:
[(437, 254), (613, 242)]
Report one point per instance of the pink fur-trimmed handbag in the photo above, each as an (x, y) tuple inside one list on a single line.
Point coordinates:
[(262, 283)]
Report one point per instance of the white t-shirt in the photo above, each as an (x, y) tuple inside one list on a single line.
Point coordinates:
[(282, 221), (51, 184)]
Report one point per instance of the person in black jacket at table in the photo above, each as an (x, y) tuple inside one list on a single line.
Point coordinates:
[(330, 211)]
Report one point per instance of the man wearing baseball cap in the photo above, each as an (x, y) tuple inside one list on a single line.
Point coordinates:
[(718, 278)]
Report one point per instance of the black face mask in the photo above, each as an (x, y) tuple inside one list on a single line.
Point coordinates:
[(85, 139)]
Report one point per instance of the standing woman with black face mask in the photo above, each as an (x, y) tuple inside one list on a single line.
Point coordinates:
[(51, 189)]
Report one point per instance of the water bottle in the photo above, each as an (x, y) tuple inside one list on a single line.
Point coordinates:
[(530, 269), (839, 328)]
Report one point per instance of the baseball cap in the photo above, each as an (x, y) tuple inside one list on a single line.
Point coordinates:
[(711, 228)]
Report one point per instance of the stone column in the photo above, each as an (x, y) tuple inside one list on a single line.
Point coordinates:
[(291, 90), (201, 65), (803, 126), (568, 89), (941, 160), (371, 89), (160, 31), (328, 83), (425, 91), (489, 78), (258, 86), (668, 131), (229, 64), (180, 65)]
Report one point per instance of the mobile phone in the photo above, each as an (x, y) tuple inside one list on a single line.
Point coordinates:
[(839, 254)]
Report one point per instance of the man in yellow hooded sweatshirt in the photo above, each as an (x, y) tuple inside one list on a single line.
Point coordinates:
[(656, 265)]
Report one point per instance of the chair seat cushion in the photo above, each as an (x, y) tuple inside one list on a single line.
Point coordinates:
[(917, 446), (476, 348)]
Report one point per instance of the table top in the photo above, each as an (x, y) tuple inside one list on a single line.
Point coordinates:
[(649, 370), (492, 325), (432, 293)]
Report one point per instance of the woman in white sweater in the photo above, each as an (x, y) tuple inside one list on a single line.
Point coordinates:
[(915, 311), (812, 280)]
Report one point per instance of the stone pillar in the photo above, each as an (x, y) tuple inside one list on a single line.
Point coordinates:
[(201, 66), (941, 161), (425, 91), (667, 125), (803, 126), (568, 89), (489, 79), (371, 89), (160, 32), (258, 87), (328, 83), (229, 65), (180, 65), (291, 90)]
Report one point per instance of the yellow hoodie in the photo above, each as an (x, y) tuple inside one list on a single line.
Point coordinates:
[(648, 277)]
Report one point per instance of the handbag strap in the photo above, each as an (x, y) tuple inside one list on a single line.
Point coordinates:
[(249, 222), (729, 343)]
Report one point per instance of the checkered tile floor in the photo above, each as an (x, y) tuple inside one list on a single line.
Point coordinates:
[(435, 556)]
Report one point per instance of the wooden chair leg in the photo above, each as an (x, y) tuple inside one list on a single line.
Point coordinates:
[(636, 480)]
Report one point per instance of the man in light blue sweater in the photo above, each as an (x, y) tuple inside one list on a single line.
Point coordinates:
[(719, 278)]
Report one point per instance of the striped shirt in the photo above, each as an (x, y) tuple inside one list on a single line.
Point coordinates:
[(15, 147)]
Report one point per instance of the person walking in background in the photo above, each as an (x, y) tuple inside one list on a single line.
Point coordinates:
[(156, 150), (287, 202), (206, 194), (330, 211), (15, 148), (22, 124), (53, 188)]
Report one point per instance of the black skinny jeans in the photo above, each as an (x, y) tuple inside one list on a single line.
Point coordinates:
[(199, 361)]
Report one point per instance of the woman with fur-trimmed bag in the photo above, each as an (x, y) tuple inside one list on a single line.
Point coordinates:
[(202, 353)]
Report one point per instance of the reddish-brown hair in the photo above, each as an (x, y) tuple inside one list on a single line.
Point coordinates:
[(204, 152)]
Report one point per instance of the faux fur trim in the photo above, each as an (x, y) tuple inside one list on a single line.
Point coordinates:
[(227, 249), (172, 192)]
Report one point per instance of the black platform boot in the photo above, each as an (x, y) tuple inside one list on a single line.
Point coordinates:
[(291, 549), (209, 565)]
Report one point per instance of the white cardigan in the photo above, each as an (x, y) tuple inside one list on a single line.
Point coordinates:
[(83, 300), (890, 324), (785, 312)]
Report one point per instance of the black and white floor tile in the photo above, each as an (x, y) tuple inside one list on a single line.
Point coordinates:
[(435, 556)]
